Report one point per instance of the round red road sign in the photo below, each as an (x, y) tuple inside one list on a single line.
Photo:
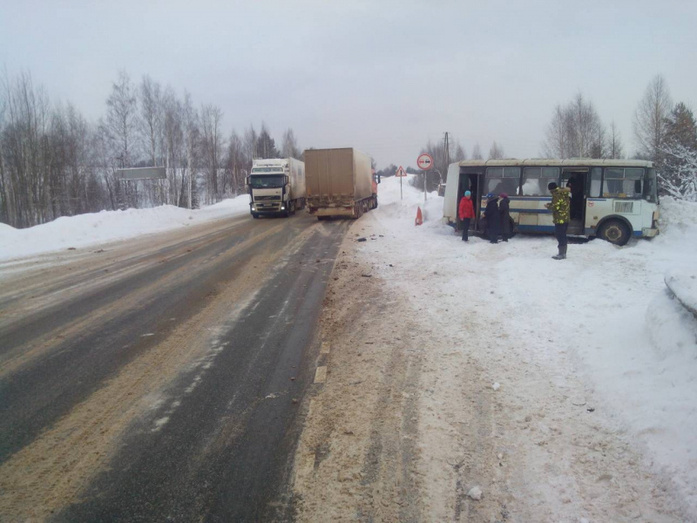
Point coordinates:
[(425, 162)]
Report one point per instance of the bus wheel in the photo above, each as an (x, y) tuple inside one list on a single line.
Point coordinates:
[(615, 231)]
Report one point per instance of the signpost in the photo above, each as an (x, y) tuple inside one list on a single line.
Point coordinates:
[(142, 173), (400, 174), (425, 163)]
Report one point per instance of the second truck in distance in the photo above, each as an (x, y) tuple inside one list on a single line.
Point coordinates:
[(276, 186), (340, 182)]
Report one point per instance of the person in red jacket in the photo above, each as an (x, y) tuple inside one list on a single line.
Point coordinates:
[(465, 212)]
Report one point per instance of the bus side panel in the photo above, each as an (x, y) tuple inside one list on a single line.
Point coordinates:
[(531, 215)]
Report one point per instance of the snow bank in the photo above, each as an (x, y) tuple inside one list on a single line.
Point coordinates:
[(106, 226)]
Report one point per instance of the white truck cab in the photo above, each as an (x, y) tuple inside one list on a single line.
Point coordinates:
[(276, 186)]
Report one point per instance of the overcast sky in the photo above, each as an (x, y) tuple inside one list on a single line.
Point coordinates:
[(382, 76)]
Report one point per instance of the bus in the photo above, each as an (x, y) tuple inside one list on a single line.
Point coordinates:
[(611, 199)]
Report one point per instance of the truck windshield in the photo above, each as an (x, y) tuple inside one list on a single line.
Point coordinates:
[(266, 181)]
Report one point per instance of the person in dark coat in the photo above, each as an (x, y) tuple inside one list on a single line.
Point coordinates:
[(466, 213), (504, 209), (493, 217)]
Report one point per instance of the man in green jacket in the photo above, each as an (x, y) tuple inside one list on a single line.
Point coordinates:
[(560, 208)]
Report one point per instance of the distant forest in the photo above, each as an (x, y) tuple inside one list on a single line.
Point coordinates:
[(54, 163)]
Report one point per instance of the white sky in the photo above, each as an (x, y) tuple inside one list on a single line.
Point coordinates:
[(384, 77)]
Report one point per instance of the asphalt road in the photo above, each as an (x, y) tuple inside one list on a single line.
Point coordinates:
[(161, 379)]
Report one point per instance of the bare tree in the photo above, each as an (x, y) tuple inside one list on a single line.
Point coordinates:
[(556, 144), (650, 119), (235, 163), (460, 153), (477, 152), (496, 152), (615, 148), (192, 138), (575, 131), (250, 145), (212, 146), (290, 149), (120, 131), (121, 119), (151, 125), (25, 151)]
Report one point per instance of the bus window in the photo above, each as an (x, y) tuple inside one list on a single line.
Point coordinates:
[(596, 179), (623, 182), (502, 179), (536, 179)]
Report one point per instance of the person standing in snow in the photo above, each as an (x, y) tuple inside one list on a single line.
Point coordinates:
[(493, 217), (466, 212), (561, 214), (504, 209)]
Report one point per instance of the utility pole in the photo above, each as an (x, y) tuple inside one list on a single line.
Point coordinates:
[(447, 155)]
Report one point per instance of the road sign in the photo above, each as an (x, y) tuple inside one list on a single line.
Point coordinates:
[(425, 162), (401, 173), (143, 173)]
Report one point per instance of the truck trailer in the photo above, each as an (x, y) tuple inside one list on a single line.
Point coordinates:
[(276, 186), (340, 182)]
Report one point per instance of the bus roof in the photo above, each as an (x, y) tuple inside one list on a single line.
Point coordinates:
[(553, 162)]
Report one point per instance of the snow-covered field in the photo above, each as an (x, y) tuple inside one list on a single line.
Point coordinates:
[(603, 317)]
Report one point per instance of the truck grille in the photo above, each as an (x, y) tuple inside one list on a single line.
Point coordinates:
[(268, 198)]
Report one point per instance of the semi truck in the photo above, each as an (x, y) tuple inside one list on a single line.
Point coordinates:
[(276, 186), (340, 182)]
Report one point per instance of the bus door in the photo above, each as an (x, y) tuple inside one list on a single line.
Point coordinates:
[(471, 180), (577, 180)]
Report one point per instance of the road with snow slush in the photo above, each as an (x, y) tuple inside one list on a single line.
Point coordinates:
[(161, 378)]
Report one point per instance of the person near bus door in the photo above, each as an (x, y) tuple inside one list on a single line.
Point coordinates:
[(560, 215), (504, 210), (466, 212), (493, 217)]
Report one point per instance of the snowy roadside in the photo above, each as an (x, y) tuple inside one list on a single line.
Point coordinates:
[(92, 229), (595, 364)]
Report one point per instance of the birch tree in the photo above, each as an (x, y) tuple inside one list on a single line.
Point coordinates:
[(212, 146), (119, 128), (290, 149), (650, 120)]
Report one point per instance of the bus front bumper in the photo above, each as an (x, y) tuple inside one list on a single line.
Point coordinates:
[(648, 232)]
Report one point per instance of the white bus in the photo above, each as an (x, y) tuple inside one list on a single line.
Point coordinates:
[(611, 199)]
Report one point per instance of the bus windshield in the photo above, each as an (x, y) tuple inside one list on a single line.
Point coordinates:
[(650, 186), (267, 181)]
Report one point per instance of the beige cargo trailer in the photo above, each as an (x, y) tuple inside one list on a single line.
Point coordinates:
[(339, 182)]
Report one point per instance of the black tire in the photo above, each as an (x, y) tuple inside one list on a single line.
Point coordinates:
[(255, 215), (614, 231)]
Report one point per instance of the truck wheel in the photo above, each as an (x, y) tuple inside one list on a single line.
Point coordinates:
[(614, 231), (255, 215), (375, 201)]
